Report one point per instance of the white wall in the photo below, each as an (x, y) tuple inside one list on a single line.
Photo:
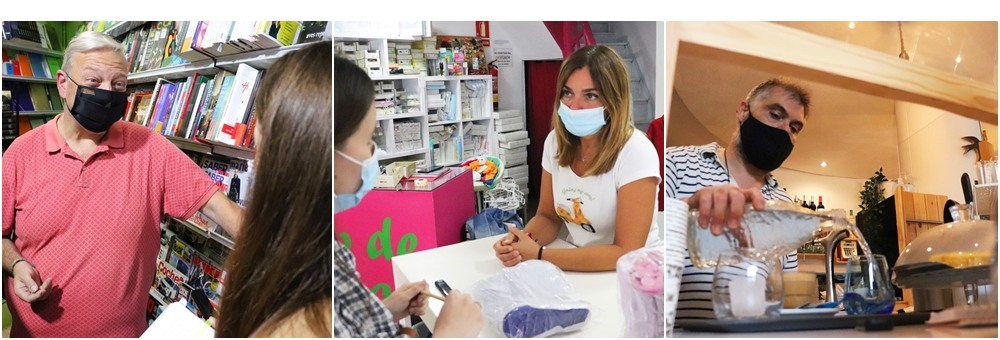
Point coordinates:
[(930, 148), (646, 41), (529, 40), (837, 192)]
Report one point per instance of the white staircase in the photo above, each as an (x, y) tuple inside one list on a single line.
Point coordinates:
[(642, 105)]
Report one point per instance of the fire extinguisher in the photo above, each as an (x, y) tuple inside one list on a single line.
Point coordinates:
[(495, 75)]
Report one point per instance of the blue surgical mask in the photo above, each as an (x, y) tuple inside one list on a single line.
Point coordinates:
[(582, 123), (369, 174)]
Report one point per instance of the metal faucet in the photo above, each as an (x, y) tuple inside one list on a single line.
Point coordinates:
[(830, 243)]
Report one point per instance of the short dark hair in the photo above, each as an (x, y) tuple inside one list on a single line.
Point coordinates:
[(354, 94), (796, 91)]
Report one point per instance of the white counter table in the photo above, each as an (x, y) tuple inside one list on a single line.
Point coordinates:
[(463, 264), (908, 331)]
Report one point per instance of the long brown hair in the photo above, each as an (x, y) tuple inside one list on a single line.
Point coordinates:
[(281, 262), (611, 78)]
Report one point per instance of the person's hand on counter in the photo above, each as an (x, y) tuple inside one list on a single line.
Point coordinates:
[(505, 250), (524, 245), (461, 317), (407, 300)]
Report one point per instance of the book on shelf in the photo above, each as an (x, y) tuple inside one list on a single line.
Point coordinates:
[(171, 49), (212, 117), (231, 126), (314, 31), (286, 31), (168, 283), (25, 32)]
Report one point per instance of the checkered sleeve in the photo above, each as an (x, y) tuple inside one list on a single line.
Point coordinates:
[(359, 313)]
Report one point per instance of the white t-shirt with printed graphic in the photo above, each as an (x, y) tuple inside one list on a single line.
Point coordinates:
[(588, 205)]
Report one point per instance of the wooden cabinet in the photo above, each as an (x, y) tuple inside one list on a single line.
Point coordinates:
[(915, 213)]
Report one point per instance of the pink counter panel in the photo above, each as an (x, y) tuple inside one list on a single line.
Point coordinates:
[(391, 222)]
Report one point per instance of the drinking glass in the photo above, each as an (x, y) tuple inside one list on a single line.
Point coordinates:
[(867, 289), (746, 288)]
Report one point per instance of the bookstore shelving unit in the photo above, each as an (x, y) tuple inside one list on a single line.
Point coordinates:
[(453, 121), (38, 89), (209, 240)]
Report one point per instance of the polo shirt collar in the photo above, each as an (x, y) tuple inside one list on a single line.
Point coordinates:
[(711, 151), (54, 141)]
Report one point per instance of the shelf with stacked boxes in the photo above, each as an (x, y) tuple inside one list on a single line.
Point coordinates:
[(512, 146), (454, 115)]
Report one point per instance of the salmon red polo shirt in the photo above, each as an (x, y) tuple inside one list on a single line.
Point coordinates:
[(92, 225)]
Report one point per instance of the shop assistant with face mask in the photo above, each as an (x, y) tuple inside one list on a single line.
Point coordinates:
[(599, 173), (359, 313), (719, 182), (83, 196)]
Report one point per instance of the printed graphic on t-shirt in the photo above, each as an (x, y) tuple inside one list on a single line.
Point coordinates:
[(571, 211)]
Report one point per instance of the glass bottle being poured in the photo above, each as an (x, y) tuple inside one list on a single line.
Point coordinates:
[(767, 234)]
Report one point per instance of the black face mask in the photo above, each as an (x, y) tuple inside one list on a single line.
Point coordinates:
[(765, 147), (97, 109)]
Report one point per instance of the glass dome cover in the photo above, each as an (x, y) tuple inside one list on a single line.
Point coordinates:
[(960, 251)]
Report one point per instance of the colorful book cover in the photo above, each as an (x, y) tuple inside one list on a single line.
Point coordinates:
[(169, 282), (39, 98), (238, 105), (162, 107), (220, 106), (38, 65), (26, 69), (172, 47), (286, 32)]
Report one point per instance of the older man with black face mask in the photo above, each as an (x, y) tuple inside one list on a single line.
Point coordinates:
[(82, 199), (719, 182)]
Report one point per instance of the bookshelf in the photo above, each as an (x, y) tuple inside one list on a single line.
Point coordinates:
[(28, 74), (454, 119), (191, 77), (29, 79)]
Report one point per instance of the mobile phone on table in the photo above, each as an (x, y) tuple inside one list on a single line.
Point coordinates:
[(443, 287)]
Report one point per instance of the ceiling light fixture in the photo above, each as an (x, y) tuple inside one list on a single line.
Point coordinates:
[(850, 25), (958, 59), (822, 164)]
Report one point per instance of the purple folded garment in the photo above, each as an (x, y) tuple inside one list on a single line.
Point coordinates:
[(529, 322)]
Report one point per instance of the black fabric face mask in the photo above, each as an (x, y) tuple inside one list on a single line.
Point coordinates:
[(765, 147), (97, 109)]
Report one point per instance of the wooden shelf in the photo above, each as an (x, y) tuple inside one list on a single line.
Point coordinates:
[(30, 47), (29, 79)]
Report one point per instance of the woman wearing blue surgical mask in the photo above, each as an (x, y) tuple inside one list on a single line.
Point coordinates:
[(600, 173), (359, 313)]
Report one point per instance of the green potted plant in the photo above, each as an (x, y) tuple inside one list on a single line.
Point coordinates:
[(870, 217)]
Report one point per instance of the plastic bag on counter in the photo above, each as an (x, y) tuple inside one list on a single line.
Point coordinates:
[(531, 299), (640, 282)]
